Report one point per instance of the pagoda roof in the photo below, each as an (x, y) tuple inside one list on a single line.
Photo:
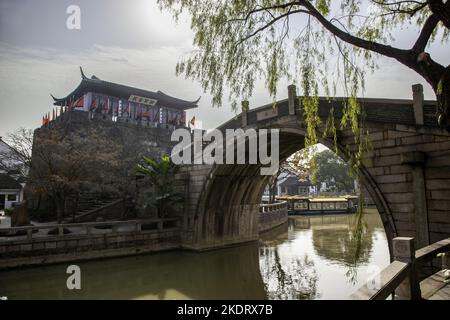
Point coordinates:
[(96, 85)]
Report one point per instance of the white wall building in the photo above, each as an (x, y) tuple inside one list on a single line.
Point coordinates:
[(288, 184), (11, 190)]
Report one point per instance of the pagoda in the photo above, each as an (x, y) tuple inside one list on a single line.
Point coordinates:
[(123, 103)]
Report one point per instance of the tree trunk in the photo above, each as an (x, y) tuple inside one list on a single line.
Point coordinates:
[(272, 188), (59, 203), (75, 208), (39, 202), (443, 100), (270, 192)]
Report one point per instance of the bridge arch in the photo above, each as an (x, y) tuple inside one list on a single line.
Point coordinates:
[(406, 173), (229, 203)]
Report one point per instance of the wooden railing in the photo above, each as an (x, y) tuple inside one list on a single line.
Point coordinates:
[(86, 228), (401, 277), (272, 207)]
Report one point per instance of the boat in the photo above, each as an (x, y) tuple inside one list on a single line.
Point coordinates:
[(305, 205)]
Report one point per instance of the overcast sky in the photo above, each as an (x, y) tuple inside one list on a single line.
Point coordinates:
[(129, 42)]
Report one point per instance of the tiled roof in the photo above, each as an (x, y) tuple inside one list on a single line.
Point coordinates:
[(6, 182), (97, 85), (294, 181)]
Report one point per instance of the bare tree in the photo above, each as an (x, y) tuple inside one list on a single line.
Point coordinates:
[(64, 163), (16, 157)]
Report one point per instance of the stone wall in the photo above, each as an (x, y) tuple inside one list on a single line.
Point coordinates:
[(270, 220), (73, 247), (133, 141), (411, 169)]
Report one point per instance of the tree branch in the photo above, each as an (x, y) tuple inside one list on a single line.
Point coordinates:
[(399, 9), (256, 10), (269, 24), (358, 42), (395, 3), (429, 69), (425, 34), (441, 10)]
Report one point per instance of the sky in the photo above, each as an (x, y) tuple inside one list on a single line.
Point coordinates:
[(133, 43)]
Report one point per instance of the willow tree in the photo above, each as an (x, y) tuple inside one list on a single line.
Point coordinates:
[(240, 41)]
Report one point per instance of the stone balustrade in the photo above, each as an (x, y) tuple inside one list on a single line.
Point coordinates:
[(86, 228), (91, 240), (272, 215), (272, 207)]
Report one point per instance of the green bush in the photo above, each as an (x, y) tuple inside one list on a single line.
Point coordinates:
[(9, 211), (160, 175)]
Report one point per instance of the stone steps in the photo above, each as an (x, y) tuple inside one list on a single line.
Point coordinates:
[(87, 207)]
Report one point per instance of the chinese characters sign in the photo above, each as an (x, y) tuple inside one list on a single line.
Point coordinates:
[(142, 100)]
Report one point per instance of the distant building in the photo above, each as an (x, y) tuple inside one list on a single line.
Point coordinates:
[(11, 189), (121, 103), (289, 184), (292, 185)]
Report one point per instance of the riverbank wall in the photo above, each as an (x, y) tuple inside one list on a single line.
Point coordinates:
[(98, 240), (270, 220)]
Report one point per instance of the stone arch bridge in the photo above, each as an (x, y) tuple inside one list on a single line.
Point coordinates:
[(406, 173)]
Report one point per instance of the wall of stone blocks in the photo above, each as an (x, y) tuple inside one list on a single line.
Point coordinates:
[(394, 177), (270, 220), (134, 141), (80, 247)]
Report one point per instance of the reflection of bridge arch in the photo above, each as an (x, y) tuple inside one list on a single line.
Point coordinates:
[(224, 199)]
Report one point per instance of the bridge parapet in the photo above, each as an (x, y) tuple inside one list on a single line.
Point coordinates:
[(396, 111)]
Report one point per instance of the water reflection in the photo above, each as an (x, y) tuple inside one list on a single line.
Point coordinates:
[(322, 256), (295, 280), (308, 258), (344, 240), (333, 238), (222, 274)]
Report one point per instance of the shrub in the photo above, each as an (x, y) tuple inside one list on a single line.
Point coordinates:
[(9, 211)]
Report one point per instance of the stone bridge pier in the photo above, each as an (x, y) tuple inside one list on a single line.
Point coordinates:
[(406, 172)]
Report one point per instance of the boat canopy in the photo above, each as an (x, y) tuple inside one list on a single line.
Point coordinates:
[(315, 200), (328, 200)]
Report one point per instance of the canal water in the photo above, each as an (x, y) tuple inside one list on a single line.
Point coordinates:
[(307, 258)]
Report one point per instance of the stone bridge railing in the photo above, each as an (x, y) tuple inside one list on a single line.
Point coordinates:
[(380, 110), (272, 207), (86, 228), (272, 215), (90, 240), (402, 277)]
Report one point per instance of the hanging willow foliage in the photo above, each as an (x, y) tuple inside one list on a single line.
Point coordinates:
[(327, 46)]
